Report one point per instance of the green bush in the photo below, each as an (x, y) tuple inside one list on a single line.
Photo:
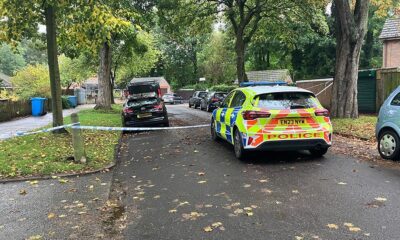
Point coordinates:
[(32, 81), (223, 87), (65, 102)]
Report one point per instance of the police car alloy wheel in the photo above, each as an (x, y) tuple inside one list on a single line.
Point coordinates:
[(238, 145), (388, 145)]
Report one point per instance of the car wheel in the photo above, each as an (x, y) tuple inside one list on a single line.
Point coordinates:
[(166, 124), (195, 106), (190, 105), (389, 145), (214, 135), (238, 145), (318, 152)]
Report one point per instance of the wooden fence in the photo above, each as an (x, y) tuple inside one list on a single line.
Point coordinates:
[(387, 80), (15, 109), (321, 87)]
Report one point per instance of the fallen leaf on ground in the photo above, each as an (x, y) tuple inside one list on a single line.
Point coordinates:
[(208, 229), (51, 215), (196, 151), (248, 208), (332, 226), (367, 234), (354, 229), (342, 183), (246, 185), (216, 224), (34, 182), (35, 237), (298, 238), (263, 180), (62, 216), (348, 224), (201, 182), (380, 199), (249, 214), (63, 180), (172, 211), (156, 197), (22, 192), (201, 173), (295, 191)]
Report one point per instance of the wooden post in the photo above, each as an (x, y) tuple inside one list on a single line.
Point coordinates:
[(77, 141)]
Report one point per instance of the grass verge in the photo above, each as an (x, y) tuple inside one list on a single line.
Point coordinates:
[(363, 127), (47, 153)]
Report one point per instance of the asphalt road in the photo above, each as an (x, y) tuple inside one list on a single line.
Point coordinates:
[(176, 184)]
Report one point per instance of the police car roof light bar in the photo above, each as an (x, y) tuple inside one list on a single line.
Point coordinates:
[(264, 83)]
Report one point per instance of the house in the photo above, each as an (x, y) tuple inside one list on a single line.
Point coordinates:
[(269, 76), (164, 85), (5, 81), (91, 84), (390, 36)]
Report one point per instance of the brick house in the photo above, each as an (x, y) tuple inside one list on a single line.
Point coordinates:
[(390, 36)]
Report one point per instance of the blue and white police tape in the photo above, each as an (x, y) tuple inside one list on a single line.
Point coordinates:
[(137, 128), (19, 133), (101, 128)]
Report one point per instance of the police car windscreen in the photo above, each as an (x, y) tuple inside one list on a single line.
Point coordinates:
[(287, 100)]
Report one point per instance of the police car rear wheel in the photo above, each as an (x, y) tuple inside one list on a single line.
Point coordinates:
[(238, 145)]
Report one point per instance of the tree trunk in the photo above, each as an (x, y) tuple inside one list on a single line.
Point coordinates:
[(112, 80), (54, 73), (351, 27), (103, 97), (240, 48)]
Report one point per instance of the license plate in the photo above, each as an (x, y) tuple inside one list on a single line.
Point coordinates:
[(144, 115), (291, 121)]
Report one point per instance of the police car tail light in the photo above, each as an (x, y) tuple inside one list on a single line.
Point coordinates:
[(322, 113), (251, 115)]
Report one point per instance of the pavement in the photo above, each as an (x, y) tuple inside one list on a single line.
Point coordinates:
[(10, 128), (179, 184)]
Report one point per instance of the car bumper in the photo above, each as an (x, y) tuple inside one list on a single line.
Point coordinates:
[(291, 140), (145, 122)]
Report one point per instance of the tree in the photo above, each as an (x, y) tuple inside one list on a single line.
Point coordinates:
[(32, 81), (10, 61), (245, 17), (351, 26), (19, 21), (74, 70), (216, 60)]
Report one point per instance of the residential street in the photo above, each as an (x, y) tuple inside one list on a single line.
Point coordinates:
[(175, 184)]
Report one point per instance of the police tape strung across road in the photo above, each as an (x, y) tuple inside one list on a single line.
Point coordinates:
[(100, 128), (19, 133), (137, 128)]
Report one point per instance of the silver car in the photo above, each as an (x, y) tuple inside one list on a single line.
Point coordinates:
[(388, 127)]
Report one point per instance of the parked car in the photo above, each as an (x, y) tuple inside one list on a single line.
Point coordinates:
[(388, 127), (172, 98), (212, 101), (196, 98), (144, 106), (272, 118)]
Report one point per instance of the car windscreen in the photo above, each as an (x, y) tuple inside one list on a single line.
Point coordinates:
[(141, 102), (286, 100), (202, 94)]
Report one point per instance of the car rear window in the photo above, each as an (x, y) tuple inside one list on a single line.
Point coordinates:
[(142, 102), (202, 94), (220, 95), (286, 100), (137, 89)]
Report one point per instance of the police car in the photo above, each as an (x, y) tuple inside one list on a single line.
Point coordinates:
[(272, 118)]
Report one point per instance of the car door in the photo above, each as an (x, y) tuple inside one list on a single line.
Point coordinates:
[(191, 100), (393, 110), (220, 116), (231, 114)]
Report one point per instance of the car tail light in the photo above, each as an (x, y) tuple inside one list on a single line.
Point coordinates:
[(128, 110), (251, 115), (322, 113), (159, 92), (158, 107)]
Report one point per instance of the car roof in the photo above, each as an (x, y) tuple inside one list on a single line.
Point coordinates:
[(257, 90)]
